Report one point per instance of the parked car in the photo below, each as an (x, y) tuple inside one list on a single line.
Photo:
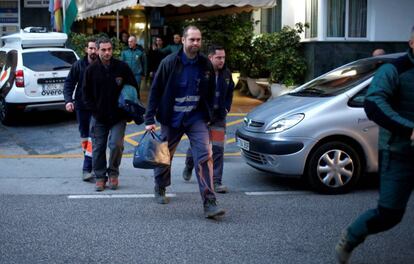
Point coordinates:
[(318, 131), (33, 67)]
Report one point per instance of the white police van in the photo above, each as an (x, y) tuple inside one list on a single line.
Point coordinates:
[(33, 66)]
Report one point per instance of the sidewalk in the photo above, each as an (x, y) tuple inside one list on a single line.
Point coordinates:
[(241, 103)]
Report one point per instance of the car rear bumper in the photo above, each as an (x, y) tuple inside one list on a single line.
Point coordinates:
[(58, 105)]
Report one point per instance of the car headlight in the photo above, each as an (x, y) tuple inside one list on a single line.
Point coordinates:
[(285, 123)]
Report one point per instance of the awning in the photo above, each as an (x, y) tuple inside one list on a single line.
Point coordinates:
[(91, 8), (254, 3)]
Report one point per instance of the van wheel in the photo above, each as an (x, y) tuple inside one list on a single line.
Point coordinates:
[(334, 167), (6, 114)]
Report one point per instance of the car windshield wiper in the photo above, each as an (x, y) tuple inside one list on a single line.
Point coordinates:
[(61, 67), (311, 91)]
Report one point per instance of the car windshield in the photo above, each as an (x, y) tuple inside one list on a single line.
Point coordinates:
[(341, 79), (49, 60)]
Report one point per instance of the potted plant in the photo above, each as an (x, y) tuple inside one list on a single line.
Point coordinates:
[(287, 64), (275, 58)]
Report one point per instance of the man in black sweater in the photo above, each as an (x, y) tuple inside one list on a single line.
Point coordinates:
[(102, 86)]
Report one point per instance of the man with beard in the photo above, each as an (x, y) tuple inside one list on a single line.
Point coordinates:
[(181, 98), (73, 83), (222, 103), (102, 86)]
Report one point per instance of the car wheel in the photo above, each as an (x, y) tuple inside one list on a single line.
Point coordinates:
[(6, 114), (334, 167)]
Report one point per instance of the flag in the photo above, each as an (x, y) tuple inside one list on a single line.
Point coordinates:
[(71, 11), (58, 15), (52, 14)]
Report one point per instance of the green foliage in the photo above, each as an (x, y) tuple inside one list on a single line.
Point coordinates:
[(234, 32), (287, 64), (77, 42), (278, 56)]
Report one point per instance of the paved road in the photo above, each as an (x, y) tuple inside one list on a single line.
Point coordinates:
[(48, 215)]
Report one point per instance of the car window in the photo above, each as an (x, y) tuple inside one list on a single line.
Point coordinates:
[(342, 79), (2, 59), (49, 60), (358, 99)]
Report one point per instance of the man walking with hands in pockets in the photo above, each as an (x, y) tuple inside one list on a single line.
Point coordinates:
[(181, 98)]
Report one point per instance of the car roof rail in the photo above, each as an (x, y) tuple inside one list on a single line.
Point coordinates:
[(32, 37), (35, 30)]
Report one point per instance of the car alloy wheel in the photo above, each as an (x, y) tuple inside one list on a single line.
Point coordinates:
[(334, 167)]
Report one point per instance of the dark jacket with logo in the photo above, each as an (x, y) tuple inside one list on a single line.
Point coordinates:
[(225, 86), (101, 89), (165, 87), (389, 103), (75, 80)]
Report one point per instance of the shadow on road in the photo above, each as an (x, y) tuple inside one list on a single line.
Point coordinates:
[(41, 118)]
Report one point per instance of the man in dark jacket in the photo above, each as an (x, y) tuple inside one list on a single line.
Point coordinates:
[(73, 83), (389, 103), (181, 98), (102, 86), (222, 103)]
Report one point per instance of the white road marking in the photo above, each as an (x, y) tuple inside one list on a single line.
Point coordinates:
[(137, 196), (276, 193), (106, 196)]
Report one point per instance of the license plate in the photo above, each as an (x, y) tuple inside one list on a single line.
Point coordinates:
[(244, 144), (52, 89)]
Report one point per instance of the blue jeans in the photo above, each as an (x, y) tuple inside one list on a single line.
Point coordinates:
[(396, 185), (198, 135), (84, 120), (102, 136)]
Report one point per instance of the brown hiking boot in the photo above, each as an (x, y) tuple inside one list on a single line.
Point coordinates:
[(113, 183), (100, 185)]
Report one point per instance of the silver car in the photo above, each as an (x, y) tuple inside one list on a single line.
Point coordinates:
[(319, 130)]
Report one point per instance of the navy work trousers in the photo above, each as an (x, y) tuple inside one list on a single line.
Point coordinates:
[(396, 185), (217, 137), (84, 120), (198, 135)]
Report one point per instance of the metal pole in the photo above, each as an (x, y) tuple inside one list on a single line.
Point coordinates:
[(64, 15), (117, 24)]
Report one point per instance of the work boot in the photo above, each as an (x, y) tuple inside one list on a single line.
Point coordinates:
[(160, 197), (343, 249), (100, 185), (87, 176), (187, 172), (220, 188), (211, 210), (113, 183)]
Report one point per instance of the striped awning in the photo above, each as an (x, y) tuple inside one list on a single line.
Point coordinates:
[(239, 3), (91, 8)]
